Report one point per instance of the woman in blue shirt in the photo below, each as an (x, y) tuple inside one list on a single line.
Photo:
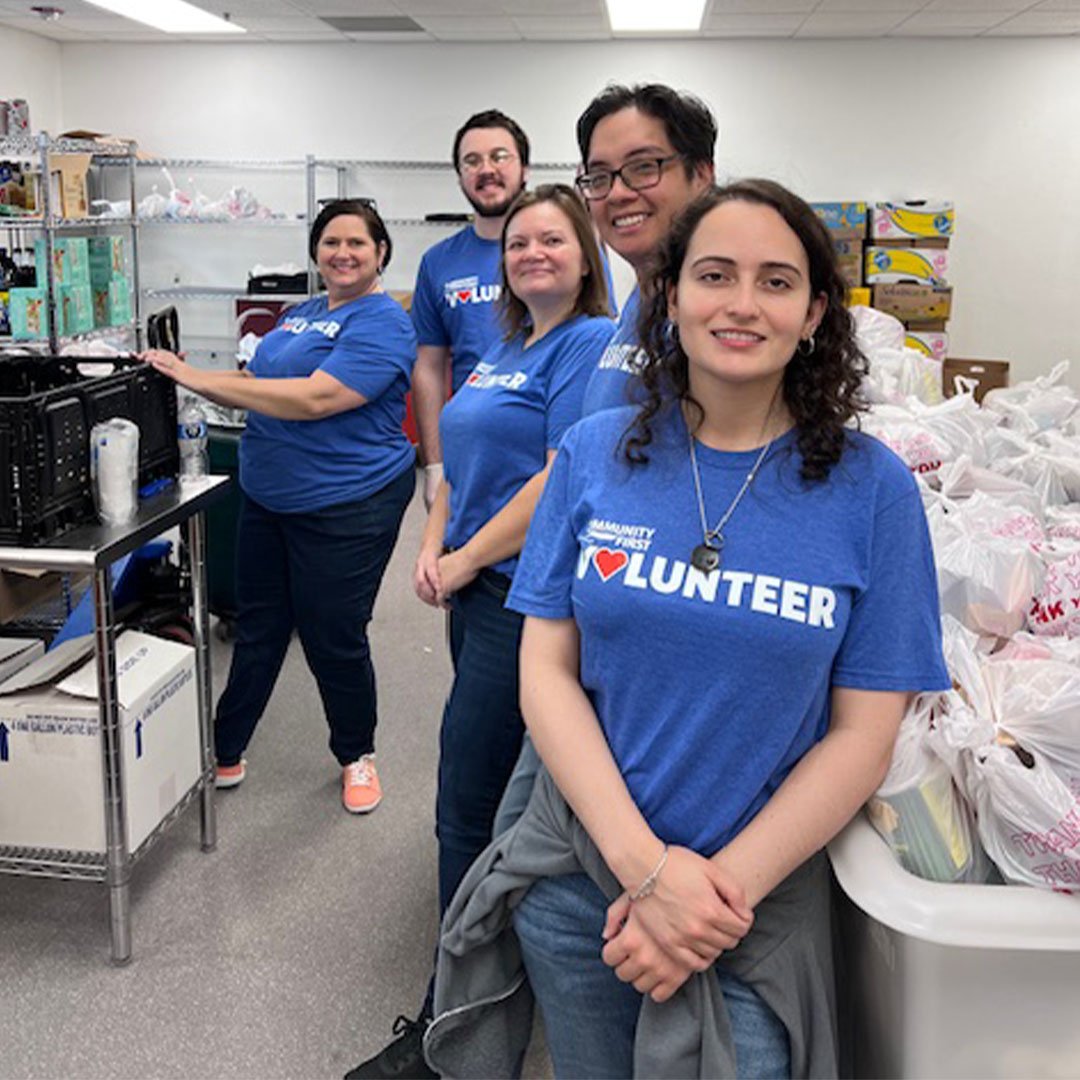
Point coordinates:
[(326, 473), (729, 598)]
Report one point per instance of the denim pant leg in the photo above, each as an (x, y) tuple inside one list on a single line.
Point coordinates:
[(337, 558), (590, 1017), (264, 622), (481, 729)]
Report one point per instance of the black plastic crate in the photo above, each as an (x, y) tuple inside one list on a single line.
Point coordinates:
[(47, 410)]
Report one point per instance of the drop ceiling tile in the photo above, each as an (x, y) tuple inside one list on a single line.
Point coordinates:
[(1001, 6), (470, 28), (760, 7), (750, 25), (1040, 23), (851, 23), (279, 24), (552, 28), (829, 7), (390, 36), (450, 9), (950, 22), (544, 9), (1056, 5), (347, 7), (262, 8)]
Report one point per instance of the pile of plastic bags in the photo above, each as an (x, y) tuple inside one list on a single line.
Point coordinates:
[(237, 204), (992, 767)]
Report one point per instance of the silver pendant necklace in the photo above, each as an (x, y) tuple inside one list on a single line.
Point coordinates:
[(706, 555)]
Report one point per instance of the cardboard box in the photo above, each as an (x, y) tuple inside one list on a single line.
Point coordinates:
[(71, 261), (858, 297), (112, 303), (28, 313), (926, 265), (932, 242), (988, 374), (916, 217), (17, 186), (844, 220), (851, 267), (67, 180), (403, 297), (913, 303), (52, 790), (75, 309), (17, 653), (106, 259), (928, 342)]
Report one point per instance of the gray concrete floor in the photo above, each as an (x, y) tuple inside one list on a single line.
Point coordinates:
[(289, 950)]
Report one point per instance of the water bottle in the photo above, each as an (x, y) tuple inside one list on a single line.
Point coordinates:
[(191, 434)]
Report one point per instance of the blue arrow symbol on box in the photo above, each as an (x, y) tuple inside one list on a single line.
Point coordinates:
[(138, 739), (4, 752)]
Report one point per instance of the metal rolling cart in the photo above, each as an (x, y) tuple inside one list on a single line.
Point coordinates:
[(93, 549)]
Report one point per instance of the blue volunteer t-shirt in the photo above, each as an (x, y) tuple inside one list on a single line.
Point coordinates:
[(515, 406), (368, 345), (455, 303), (614, 377), (710, 688)]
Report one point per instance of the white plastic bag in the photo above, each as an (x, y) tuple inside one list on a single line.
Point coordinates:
[(918, 810), (1037, 405)]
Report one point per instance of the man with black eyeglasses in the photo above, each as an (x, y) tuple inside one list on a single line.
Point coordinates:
[(647, 152), (455, 303)]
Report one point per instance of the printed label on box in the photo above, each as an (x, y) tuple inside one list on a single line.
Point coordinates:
[(920, 265), (895, 220)]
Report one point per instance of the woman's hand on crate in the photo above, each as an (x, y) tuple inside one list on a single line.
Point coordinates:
[(175, 367)]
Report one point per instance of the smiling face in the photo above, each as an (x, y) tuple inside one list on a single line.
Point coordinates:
[(490, 186), (743, 300), (635, 222), (348, 258), (543, 258)]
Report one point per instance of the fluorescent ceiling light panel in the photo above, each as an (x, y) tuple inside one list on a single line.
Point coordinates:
[(172, 16), (645, 15)]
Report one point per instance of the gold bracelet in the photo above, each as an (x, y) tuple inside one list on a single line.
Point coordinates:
[(648, 886)]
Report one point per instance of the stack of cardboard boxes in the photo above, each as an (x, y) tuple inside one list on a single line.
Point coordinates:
[(91, 288)]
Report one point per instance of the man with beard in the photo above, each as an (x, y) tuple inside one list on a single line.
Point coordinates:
[(457, 287)]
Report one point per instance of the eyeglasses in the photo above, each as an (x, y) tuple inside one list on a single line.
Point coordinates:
[(637, 175), (475, 162)]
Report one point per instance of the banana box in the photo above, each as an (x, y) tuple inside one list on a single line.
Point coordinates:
[(928, 342), (75, 308), (916, 217), (106, 259), (928, 266), (913, 303), (851, 269), (844, 220), (858, 297), (112, 303), (986, 374)]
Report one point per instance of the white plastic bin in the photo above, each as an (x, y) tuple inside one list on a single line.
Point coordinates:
[(954, 980)]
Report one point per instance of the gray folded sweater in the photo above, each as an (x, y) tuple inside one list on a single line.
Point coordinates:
[(484, 1005)]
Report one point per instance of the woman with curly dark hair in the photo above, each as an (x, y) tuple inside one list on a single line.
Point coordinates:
[(729, 598)]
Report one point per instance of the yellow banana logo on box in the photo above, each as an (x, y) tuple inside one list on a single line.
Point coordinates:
[(937, 222), (928, 265)]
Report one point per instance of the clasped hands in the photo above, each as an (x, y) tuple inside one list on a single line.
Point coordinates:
[(437, 577), (696, 912)]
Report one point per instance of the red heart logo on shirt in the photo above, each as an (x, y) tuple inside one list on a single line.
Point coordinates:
[(608, 562), (464, 296)]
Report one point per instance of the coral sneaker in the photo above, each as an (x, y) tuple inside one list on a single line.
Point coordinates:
[(227, 776), (361, 791)]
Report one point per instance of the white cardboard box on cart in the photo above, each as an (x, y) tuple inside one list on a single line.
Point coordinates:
[(951, 981), (51, 785)]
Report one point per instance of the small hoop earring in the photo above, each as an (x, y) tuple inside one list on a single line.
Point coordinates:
[(810, 346)]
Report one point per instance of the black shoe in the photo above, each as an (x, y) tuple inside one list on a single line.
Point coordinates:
[(403, 1059)]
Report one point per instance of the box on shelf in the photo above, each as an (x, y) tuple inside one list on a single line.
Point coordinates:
[(912, 303), (75, 305), (67, 179), (71, 260), (106, 259), (988, 374), (17, 653), (403, 297), (23, 590), (953, 981), (52, 793), (28, 313), (18, 186), (112, 303), (858, 297), (844, 220), (932, 242), (928, 342), (850, 267), (916, 217), (926, 265)]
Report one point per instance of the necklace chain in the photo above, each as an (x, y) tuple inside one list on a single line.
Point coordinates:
[(717, 532)]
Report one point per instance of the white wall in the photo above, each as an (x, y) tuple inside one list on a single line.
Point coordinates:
[(30, 69), (991, 124)]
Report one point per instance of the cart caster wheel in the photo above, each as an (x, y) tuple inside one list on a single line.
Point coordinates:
[(177, 632), (225, 630)]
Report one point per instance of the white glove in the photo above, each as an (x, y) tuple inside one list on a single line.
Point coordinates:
[(432, 479)]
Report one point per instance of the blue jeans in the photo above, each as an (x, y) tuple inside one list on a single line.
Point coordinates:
[(590, 1016), (319, 572), (481, 726)]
